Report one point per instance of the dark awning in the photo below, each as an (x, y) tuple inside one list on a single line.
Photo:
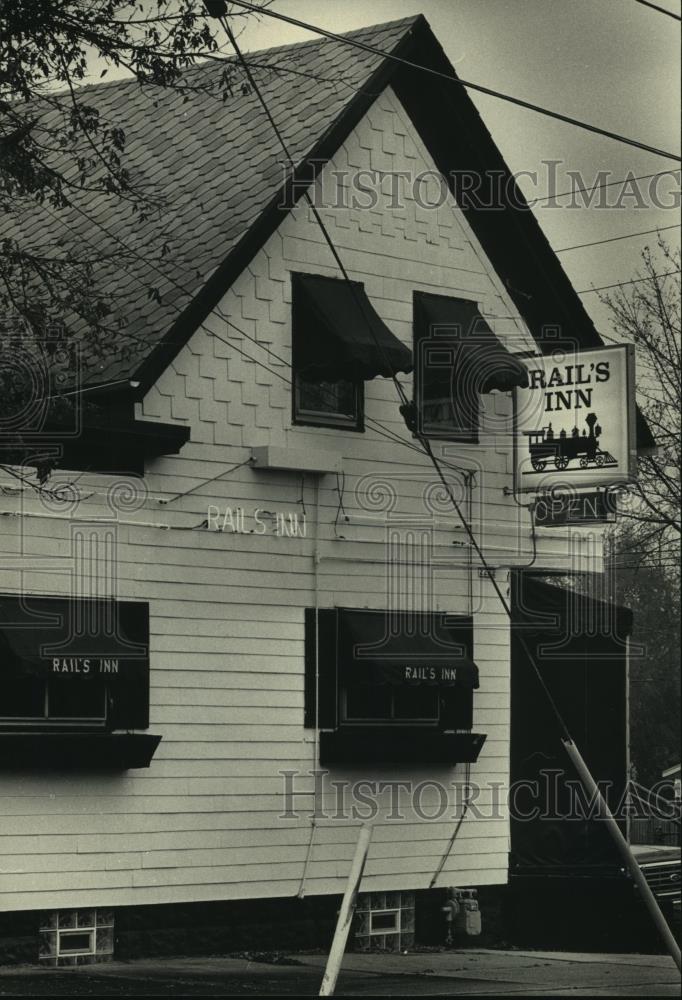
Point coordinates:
[(478, 355), (571, 620), (405, 648), (80, 641), (338, 334), (63, 637), (103, 444)]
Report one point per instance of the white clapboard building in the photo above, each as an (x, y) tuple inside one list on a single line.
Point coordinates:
[(244, 610)]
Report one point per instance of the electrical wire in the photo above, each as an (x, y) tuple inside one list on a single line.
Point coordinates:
[(631, 281), (310, 203), (405, 409), (408, 410), (207, 482), (614, 239), (490, 573), (379, 428), (467, 84), (661, 10), (458, 826), (605, 184)]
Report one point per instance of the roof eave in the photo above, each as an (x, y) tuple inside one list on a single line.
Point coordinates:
[(271, 217), (524, 259)]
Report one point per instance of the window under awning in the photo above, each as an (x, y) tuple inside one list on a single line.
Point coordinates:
[(338, 334), (84, 642), (405, 648), (477, 354)]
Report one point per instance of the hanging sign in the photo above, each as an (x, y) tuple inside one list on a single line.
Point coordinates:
[(558, 509), (576, 419)]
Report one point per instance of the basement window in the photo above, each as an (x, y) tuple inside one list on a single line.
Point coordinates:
[(80, 942), (384, 922), (76, 937)]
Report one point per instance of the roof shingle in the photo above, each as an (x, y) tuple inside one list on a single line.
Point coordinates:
[(211, 165)]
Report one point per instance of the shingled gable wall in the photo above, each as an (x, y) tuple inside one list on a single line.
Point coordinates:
[(203, 823)]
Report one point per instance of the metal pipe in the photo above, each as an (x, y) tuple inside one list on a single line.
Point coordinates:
[(350, 896), (621, 843), (316, 739)]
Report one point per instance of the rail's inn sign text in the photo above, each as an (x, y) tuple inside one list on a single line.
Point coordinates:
[(576, 419)]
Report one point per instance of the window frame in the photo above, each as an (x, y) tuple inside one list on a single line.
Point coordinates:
[(325, 693), (469, 435), (66, 932), (383, 911), (316, 418), (320, 418), (392, 719), (58, 723), (48, 622)]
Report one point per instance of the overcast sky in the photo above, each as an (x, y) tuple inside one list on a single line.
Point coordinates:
[(613, 63)]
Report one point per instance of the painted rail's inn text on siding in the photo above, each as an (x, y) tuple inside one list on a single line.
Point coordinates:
[(292, 599)]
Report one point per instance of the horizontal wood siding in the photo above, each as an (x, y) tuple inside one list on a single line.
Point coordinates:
[(227, 610)]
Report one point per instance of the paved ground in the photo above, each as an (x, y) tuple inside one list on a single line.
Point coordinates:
[(475, 972)]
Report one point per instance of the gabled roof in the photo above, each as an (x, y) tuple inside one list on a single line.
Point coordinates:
[(217, 169), (214, 165)]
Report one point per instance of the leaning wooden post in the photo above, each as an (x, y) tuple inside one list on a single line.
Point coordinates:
[(350, 896), (636, 872)]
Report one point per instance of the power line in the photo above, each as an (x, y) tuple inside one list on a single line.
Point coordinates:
[(467, 84), (407, 409), (378, 427), (613, 239), (606, 184), (311, 205), (631, 281), (661, 10)]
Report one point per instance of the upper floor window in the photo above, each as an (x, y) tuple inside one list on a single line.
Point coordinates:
[(333, 404), (338, 343), (457, 358)]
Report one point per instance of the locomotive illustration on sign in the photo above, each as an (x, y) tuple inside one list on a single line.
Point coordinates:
[(544, 446), (559, 437)]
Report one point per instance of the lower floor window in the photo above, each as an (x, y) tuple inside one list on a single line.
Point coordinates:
[(374, 669), (35, 701), (390, 703)]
